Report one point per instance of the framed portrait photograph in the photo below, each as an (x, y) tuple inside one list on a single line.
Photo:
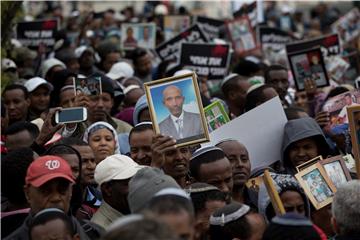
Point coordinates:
[(138, 35), (175, 24), (308, 64), (336, 170), (308, 163), (176, 109), (353, 113), (242, 35), (317, 185), (88, 86)]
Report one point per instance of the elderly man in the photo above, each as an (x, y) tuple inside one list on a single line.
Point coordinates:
[(48, 184), (346, 211), (238, 156), (179, 124)]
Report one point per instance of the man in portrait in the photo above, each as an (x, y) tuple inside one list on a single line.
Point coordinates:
[(179, 124), (130, 40), (146, 41)]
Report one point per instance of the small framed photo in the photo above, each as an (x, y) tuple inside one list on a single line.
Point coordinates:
[(242, 35), (216, 115), (353, 113), (308, 163), (308, 64), (138, 35), (88, 86), (336, 170), (254, 183), (175, 24), (176, 109), (317, 185)]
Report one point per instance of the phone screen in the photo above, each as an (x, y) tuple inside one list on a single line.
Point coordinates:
[(71, 115)]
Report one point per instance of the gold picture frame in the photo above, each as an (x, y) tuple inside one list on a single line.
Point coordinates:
[(353, 113), (336, 170), (164, 121), (317, 185)]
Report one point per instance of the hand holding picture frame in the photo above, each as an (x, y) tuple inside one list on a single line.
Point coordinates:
[(336, 170), (90, 86), (308, 64), (317, 185), (176, 109), (353, 113)]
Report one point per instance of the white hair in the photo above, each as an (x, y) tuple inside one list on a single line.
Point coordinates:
[(346, 209)]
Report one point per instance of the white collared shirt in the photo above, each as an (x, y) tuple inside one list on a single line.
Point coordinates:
[(175, 121)]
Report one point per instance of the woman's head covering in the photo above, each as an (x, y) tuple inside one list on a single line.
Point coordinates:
[(101, 125), (141, 104), (283, 183)]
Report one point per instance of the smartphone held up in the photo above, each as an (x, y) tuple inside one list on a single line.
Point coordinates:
[(71, 115)]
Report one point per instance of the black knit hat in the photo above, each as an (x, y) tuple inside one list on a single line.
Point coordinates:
[(291, 226)]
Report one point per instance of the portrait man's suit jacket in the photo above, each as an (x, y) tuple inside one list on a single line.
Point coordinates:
[(191, 126)]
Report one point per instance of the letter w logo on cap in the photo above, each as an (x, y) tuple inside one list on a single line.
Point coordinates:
[(52, 164)]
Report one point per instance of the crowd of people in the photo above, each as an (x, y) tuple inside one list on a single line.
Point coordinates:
[(112, 177)]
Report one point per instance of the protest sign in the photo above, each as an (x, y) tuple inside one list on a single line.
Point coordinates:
[(308, 64), (138, 35), (215, 115), (329, 44), (174, 25), (336, 106), (250, 129), (273, 41), (242, 35), (31, 34), (206, 59), (171, 49), (210, 26), (348, 26)]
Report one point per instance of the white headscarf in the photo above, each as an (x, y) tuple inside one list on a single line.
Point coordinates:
[(101, 125)]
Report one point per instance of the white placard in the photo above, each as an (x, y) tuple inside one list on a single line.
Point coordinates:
[(261, 130)]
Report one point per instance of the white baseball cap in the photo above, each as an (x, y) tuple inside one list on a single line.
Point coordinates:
[(49, 64), (120, 70), (35, 82), (115, 167), (7, 63), (182, 72)]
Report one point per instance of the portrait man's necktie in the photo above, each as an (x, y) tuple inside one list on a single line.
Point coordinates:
[(179, 127)]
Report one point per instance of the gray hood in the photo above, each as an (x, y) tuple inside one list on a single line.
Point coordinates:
[(298, 129)]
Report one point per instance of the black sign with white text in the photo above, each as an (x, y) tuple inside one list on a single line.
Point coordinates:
[(170, 49), (274, 38), (210, 26), (208, 59), (31, 34), (330, 45)]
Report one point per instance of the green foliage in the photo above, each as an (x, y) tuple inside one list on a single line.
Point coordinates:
[(11, 11)]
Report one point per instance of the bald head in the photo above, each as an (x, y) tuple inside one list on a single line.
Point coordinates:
[(173, 100), (238, 155)]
